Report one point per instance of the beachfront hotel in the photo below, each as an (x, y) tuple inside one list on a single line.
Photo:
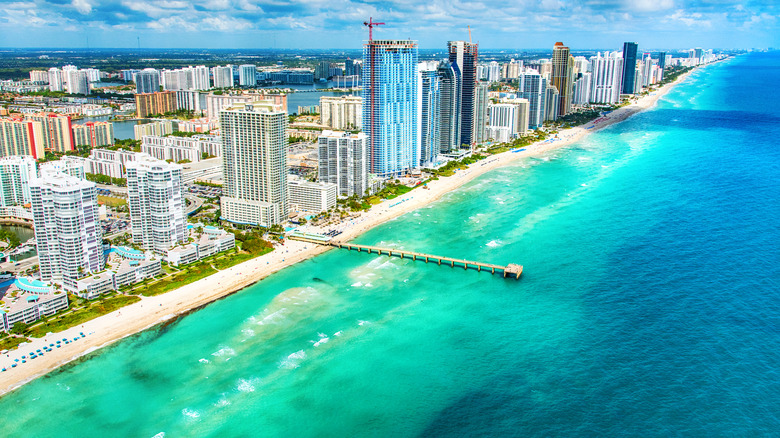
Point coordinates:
[(562, 76), (156, 201), (343, 160), (629, 67), (254, 151), (67, 228), (390, 106), (429, 112), (532, 86), (449, 107)]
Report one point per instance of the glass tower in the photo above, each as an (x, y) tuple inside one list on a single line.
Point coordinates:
[(465, 55), (390, 102), (430, 113), (629, 67)]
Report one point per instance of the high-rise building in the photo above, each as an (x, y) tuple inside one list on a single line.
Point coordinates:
[(57, 131), (662, 62), (552, 103), (223, 76), (155, 197), (55, 79), (533, 87), (465, 55), (94, 134), (216, 102), (313, 197), (21, 137), (606, 82), (147, 81), (353, 67), (341, 112), (78, 82), (508, 119), (511, 70), (68, 234), (390, 105), (200, 78), (322, 70), (449, 86), (480, 112), (429, 113), (629, 67), (343, 160), (247, 75), (562, 76), (254, 154), (129, 74), (39, 76), (15, 176), (155, 103), (581, 89), (160, 128)]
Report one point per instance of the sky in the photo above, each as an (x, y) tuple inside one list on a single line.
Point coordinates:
[(322, 24)]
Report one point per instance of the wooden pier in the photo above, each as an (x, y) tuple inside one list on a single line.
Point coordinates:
[(511, 270)]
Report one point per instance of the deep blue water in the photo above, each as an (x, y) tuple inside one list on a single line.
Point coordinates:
[(649, 305)]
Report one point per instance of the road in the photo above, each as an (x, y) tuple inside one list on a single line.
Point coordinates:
[(195, 201)]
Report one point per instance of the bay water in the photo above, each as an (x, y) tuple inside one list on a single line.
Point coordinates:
[(649, 305)]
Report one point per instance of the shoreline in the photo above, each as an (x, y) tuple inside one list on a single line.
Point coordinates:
[(130, 320)]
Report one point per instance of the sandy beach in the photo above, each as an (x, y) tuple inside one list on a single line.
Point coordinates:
[(151, 311)]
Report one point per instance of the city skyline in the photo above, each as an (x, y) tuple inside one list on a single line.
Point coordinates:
[(307, 24)]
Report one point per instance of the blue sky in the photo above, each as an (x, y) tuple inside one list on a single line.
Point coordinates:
[(512, 24)]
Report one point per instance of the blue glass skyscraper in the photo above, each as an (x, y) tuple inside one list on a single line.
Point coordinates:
[(390, 105), (629, 67)]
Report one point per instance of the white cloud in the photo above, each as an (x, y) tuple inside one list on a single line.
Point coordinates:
[(83, 6)]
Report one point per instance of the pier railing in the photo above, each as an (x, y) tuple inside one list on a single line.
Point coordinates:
[(511, 270)]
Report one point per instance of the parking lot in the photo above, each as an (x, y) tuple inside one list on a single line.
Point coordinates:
[(113, 226), (205, 191)]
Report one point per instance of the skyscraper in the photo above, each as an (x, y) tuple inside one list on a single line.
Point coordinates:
[(57, 131), (607, 76), (562, 76), (430, 113), (156, 202), (480, 112), (78, 82), (629, 67), (67, 228), (15, 176), (254, 154), (343, 160), (465, 55), (662, 62), (21, 137), (147, 81), (223, 76), (449, 86), (533, 87), (55, 79), (390, 105), (246, 75)]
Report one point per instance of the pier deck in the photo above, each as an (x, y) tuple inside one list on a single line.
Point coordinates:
[(511, 270)]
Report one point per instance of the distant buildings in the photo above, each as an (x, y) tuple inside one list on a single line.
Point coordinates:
[(67, 230), (629, 67), (57, 131), (147, 81), (254, 154), (343, 160), (55, 79), (508, 119), (158, 128), (216, 102), (78, 82), (247, 75), (390, 107), (188, 78), (94, 134), (464, 56), (155, 103), (156, 203), (223, 76), (341, 112), (182, 149)]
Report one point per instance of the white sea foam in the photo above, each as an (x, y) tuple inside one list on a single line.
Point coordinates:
[(224, 351), (203, 360), (273, 317), (246, 385), (222, 402), (358, 284), (323, 339), (159, 435), (248, 332), (361, 322), (293, 360), (190, 413), (338, 333), (493, 243), (369, 285)]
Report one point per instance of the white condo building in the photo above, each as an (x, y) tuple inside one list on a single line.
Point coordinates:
[(343, 160), (607, 77), (223, 76), (156, 202), (15, 175), (254, 152), (67, 228), (508, 119), (181, 149), (55, 79), (312, 197), (342, 113), (247, 75)]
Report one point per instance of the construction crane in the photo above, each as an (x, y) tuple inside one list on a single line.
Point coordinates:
[(469, 27), (370, 23)]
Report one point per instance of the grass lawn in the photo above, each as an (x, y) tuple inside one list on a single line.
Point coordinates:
[(10, 342), (111, 201), (91, 311), (234, 259), (191, 274)]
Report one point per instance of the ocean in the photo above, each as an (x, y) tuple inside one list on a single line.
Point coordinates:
[(649, 305)]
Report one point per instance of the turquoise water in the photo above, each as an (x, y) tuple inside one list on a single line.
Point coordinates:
[(649, 305)]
